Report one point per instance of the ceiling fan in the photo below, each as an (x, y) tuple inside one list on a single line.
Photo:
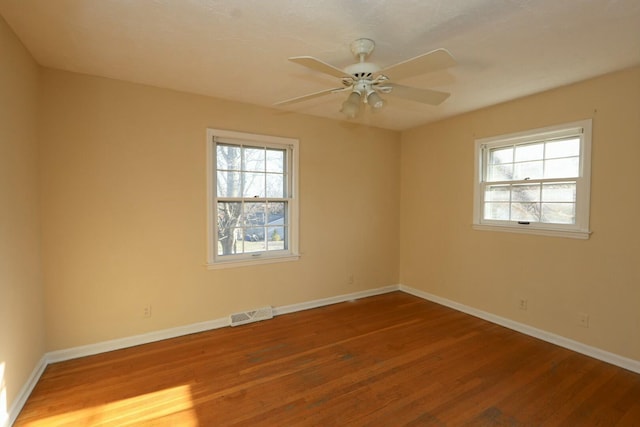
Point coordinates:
[(365, 81)]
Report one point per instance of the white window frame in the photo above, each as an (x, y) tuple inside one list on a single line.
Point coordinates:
[(215, 261), (579, 230)]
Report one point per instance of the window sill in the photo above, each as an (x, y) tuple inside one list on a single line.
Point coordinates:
[(583, 235), (253, 261)]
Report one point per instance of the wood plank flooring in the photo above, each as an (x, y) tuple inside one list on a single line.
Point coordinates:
[(388, 360)]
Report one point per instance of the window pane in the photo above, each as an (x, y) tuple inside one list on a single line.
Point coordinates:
[(531, 170), (254, 159), (254, 242), (559, 213), (228, 184), (529, 152), (496, 211), (228, 157), (561, 168), (234, 245), (500, 172), (229, 217), (276, 238), (275, 160), (559, 192), (497, 193), (229, 233), (501, 155), (276, 213), (562, 148), (254, 234), (228, 222), (526, 193), (239, 243), (254, 184), (525, 212), (275, 185), (255, 215), (277, 226)]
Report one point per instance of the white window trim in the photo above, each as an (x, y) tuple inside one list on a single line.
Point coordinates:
[(214, 261), (580, 230)]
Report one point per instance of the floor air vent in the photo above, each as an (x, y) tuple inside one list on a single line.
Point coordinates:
[(263, 313)]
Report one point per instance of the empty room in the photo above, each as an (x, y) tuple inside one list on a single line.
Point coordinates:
[(334, 213)]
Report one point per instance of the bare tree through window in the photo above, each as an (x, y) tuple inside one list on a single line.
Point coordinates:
[(251, 199)]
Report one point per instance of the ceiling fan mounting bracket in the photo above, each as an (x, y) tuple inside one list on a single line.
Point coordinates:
[(362, 48)]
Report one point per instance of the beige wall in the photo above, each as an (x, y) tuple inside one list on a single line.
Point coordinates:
[(491, 271), (124, 209), (21, 294)]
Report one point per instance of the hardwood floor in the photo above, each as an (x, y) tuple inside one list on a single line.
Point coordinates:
[(388, 360)]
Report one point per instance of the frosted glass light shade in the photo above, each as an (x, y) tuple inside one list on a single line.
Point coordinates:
[(374, 100), (351, 106)]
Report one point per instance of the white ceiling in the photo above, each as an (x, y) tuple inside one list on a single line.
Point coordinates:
[(238, 49)]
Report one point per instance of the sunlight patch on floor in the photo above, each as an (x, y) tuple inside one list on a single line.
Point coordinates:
[(173, 404), (4, 414)]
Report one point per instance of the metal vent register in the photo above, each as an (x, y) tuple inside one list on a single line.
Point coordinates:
[(244, 317)]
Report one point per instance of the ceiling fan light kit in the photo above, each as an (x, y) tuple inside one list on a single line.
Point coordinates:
[(374, 100), (351, 107), (365, 80)]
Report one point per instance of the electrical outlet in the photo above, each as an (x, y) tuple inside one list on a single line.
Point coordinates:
[(146, 311), (583, 320), (522, 304), (350, 279)]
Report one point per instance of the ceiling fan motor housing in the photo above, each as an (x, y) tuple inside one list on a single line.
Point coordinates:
[(362, 70)]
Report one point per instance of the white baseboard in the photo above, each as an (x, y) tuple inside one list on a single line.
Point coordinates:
[(596, 353), (120, 343), (285, 309), (26, 390)]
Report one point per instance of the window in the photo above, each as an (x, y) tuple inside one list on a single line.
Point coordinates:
[(535, 182), (253, 208)]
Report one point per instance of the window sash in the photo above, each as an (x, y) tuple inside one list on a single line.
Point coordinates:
[(266, 235), (537, 197), (489, 148)]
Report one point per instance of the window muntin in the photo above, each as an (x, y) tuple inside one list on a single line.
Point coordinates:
[(253, 211), (535, 181)]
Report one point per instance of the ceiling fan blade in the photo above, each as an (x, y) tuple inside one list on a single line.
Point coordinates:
[(309, 96), (438, 59), (318, 65), (425, 96)]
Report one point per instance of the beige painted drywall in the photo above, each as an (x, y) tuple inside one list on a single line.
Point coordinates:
[(124, 209), (560, 277), (21, 293)]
